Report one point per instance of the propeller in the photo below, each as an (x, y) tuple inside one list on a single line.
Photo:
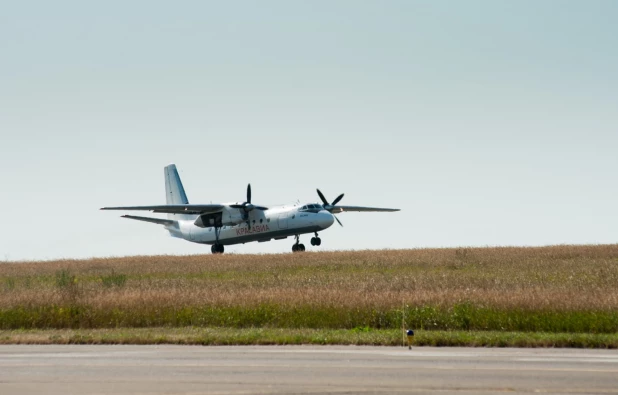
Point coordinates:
[(328, 206), (247, 207)]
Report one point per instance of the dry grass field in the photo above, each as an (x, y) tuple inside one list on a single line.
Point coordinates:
[(556, 289)]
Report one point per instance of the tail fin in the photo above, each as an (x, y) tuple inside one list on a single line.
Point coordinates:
[(174, 191)]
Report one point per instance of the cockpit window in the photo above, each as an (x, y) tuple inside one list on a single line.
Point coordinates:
[(311, 207)]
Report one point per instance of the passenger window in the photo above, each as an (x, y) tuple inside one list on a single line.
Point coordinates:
[(268, 220), (261, 220)]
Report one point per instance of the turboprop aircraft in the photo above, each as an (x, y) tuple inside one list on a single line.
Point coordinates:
[(240, 222)]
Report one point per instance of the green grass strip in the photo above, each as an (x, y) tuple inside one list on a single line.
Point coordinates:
[(283, 336), (460, 317)]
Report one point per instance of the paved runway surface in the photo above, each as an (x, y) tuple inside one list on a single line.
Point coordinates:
[(302, 369)]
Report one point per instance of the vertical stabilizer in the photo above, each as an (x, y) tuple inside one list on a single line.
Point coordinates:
[(174, 191)]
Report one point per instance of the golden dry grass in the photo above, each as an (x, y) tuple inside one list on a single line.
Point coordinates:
[(555, 278)]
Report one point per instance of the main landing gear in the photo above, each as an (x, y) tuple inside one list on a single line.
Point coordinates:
[(297, 247), (217, 248)]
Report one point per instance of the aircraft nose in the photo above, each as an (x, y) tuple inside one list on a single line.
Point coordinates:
[(325, 219)]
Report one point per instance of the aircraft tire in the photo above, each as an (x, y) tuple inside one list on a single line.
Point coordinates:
[(301, 247), (318, 241), (313, 242)]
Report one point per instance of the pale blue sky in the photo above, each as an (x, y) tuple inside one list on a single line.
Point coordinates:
[(486, 122)]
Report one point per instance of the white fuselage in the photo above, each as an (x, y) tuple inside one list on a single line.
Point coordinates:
[(274, 223)]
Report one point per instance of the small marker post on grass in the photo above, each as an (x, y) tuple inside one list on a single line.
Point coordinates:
[(410, 335), (403, 323)]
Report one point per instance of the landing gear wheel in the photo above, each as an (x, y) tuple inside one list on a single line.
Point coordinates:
[(297, 247), (316, 241), (217, 249)]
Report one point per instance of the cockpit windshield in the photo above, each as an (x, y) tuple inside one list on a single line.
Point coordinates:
[(311, 207)]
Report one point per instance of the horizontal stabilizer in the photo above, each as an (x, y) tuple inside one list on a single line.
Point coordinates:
[(152, 220)]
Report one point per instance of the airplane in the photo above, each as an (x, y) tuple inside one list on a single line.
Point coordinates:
[(240, 222)]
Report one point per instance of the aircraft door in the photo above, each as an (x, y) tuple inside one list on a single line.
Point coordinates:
[(283, 221)]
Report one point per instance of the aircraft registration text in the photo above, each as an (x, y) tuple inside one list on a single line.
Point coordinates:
[(255, 229)]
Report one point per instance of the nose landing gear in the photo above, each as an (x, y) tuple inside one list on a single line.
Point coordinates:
[(217, 248), (316, 241), (297, 247)]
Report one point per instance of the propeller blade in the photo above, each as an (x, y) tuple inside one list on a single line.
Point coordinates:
[(322, 197), (339, 222), (337, 200), (247, 206)]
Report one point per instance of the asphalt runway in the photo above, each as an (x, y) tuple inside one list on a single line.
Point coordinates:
[(73, 369)]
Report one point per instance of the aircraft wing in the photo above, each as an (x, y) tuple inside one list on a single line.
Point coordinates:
[(341, 209), (174, 208)]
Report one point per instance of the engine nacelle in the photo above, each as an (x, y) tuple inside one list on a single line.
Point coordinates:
[(233, 216), (208, 220), (228, 217)]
